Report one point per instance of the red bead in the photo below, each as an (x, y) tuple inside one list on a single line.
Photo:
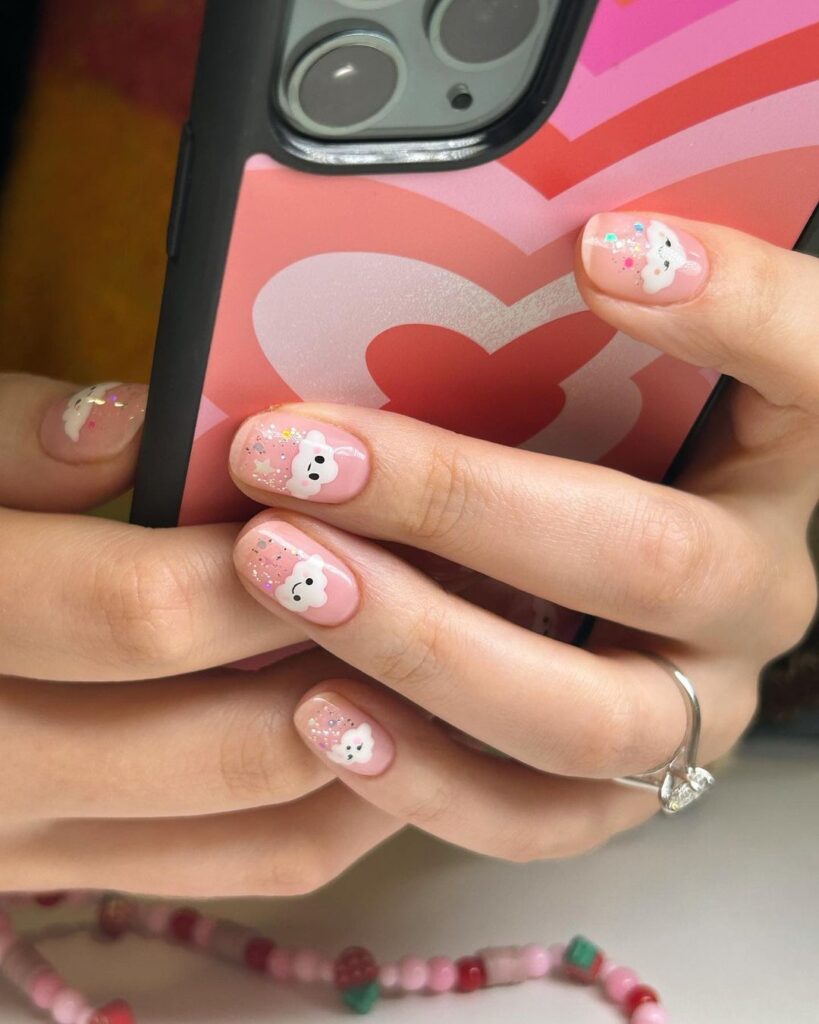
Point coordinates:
[(257, 952), (354, 966), (49, 899), (118, 1012), (181, 924), (637, 996), (471, 973)]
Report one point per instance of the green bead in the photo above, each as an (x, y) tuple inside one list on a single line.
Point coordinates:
[(581, 953), (362, 998)]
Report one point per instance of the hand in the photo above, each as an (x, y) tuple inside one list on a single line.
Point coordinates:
[(166, 786), (714, 575)]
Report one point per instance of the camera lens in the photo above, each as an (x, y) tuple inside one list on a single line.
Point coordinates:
[(346, 83), (482, 31)]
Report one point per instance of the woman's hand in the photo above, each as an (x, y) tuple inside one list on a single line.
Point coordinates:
[(166, 786), (714, 575)]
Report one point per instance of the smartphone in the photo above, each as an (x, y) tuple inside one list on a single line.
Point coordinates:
[(377, 203)]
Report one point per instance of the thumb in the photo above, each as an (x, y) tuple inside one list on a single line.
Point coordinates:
[(64, 449)]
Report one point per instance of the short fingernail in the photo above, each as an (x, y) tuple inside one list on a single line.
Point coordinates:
[(94, 424), (344, 734), (297, 573), (289, 454), (643, 259)]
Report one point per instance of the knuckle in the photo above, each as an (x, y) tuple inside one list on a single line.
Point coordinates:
[(295, 872), (250, 767), (762, 296), (411, 657), (446, 488), (146, 602), (427, 810), (670, 549)]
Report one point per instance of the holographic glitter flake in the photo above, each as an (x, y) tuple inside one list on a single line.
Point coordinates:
[(610, 237)]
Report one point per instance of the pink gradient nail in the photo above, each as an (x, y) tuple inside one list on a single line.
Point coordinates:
[(643, 258), (296, 572), (288, 454), (94, 424), (344, 734)]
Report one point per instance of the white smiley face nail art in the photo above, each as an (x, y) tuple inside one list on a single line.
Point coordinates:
[(313, 466), (80, 406), (665, 255), (305, 587), (354, 747)]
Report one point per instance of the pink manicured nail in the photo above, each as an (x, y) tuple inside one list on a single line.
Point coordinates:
[(297, 573), (288, 454), (94, 424), (643, 259), (344, 734)]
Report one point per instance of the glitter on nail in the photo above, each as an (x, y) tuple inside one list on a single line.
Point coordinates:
[(610, 237)]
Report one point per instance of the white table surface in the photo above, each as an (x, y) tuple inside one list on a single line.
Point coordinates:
[(718, 909)]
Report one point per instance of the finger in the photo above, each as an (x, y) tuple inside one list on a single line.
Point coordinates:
[(556, 707), (584, 537), (413, 769), (710, 295), (279, 851), (63, 448), (199, 744), (94, 600)]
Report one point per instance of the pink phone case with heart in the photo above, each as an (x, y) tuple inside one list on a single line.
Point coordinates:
[(449, 296)]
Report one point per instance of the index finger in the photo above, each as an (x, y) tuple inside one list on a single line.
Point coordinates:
[(95, 600)]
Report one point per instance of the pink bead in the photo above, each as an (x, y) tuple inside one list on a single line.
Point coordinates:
[(67, 1006), (413, 973), (605, 970), (504, 965), (537, 960), (619, 983), (650, 1013), (556, 951), (326, 969), (87, 1016), (390, 977), (202, 931), (306, 965), (443, 974), (44, 987), (157, 917), (280, 964)]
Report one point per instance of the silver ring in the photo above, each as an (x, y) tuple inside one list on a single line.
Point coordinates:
[(678, 782)]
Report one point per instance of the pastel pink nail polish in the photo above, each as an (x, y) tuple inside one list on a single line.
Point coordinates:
[(344, 735), (304, 458), (643, 258), (297, 573), (94, 424)]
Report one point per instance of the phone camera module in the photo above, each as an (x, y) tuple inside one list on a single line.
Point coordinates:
[(346, 83), (473, 33)]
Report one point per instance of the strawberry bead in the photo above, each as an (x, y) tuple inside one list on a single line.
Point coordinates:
[(117, 1012), (355, 973)]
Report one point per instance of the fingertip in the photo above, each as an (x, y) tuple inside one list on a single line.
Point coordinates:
[(347, 737)]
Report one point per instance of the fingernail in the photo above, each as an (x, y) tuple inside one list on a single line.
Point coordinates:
[(643, 259), (297, 573), (94, 424), (288, 454), (344, 734)]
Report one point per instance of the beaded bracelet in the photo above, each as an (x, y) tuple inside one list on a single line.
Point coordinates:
[(360, 980)]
